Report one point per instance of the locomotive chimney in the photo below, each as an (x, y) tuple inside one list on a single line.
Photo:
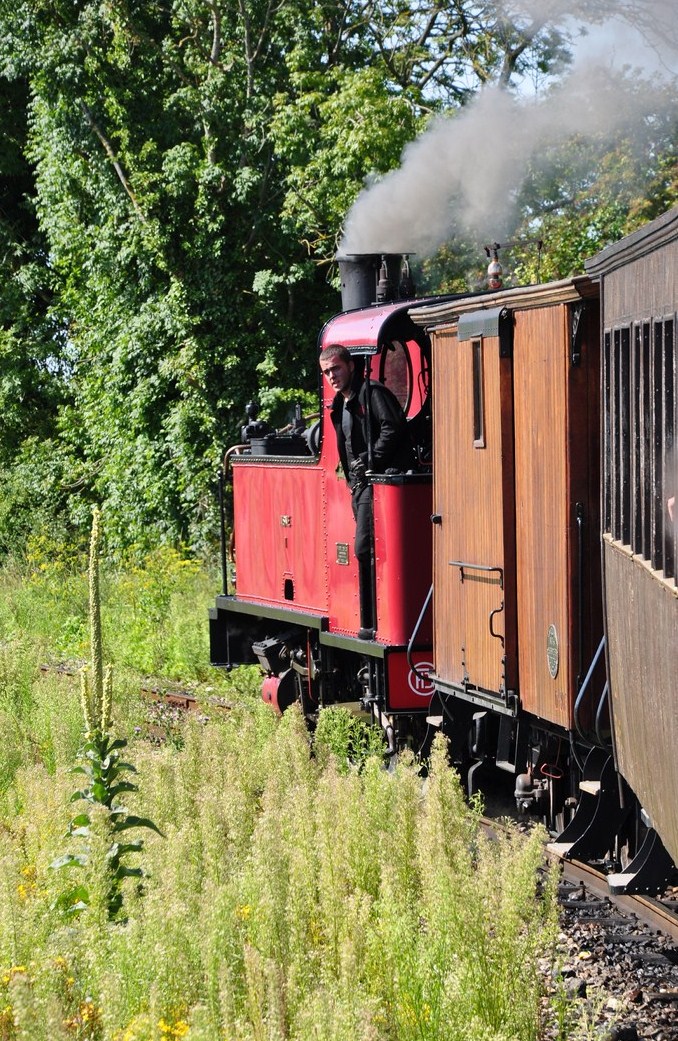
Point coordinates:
[(368, 278)]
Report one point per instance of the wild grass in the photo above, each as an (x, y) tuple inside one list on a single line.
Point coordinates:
[(154, 611), (287, 900), (292, 896)]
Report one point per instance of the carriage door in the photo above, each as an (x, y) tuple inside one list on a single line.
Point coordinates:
[(474, 508)]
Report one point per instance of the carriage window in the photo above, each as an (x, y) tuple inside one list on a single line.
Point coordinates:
[(478, 399), (665, 377), (670, 457), (607, 432), (636, 439), (395, 372), (639, 388), (645, 486), (625, 436)]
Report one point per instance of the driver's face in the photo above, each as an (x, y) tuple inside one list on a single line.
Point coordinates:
[(338, 374)]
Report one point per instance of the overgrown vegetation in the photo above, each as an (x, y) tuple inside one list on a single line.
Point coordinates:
[(298, 894)]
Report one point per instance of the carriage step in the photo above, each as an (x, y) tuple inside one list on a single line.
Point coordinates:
[(650, 870), (559, 849)]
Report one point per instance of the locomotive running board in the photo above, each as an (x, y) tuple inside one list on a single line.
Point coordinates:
[(235, 624)]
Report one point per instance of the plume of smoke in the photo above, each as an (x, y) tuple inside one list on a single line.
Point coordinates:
[(465, 170), (646, 24)]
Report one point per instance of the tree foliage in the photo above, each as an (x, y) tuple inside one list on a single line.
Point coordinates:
[(174, 180)]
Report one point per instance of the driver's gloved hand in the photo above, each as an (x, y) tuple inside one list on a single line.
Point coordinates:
[(358, 471)]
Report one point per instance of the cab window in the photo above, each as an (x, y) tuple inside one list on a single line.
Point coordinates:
[(395, 372)]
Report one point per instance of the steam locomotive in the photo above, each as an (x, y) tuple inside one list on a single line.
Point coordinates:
[(523, 572)]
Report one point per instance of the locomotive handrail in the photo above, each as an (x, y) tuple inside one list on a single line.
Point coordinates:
[(233, 450), (604, 742), (579, 512), (415, 631), (221, 477), (222, 532)]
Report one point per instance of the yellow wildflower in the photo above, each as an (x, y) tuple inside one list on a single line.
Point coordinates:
[(28, 887), (9, 974), (169, 1030), (138, 1027), (89, 1013)]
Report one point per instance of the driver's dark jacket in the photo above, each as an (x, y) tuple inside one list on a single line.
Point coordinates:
[(391, 443)]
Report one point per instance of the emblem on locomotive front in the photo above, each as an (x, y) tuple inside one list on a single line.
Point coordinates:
[(418, 679)]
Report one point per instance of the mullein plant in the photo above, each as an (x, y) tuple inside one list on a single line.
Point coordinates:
[(102, 826)]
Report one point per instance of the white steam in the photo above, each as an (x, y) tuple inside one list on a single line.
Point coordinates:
[(465, 171)]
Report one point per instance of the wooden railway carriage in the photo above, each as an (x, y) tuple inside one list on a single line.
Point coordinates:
[(639, 292), (516, 503)]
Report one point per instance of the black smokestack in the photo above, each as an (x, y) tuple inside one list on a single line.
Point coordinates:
[(368, 278)]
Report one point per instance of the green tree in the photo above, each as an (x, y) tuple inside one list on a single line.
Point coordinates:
[(174, 185)]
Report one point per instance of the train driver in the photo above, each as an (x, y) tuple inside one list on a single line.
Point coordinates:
[(376, 446)]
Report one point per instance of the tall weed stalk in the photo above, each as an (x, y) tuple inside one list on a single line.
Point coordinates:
[(103, 825)]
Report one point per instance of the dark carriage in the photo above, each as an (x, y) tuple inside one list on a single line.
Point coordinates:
[(639, 293)]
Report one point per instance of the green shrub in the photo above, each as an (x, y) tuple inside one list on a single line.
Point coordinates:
[(350, 738), (154, 610)]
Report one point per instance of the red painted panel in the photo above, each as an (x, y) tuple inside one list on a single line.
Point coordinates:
[(405, 690), (403, 552), (344, 607), (279, 513), (361, 328)]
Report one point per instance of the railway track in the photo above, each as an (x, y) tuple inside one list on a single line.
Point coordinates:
[(624, 949), (660, 914), (618, 955), (167, 702)]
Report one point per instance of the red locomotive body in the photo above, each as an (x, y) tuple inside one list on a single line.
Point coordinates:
[(296, 605), (284, 501)]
